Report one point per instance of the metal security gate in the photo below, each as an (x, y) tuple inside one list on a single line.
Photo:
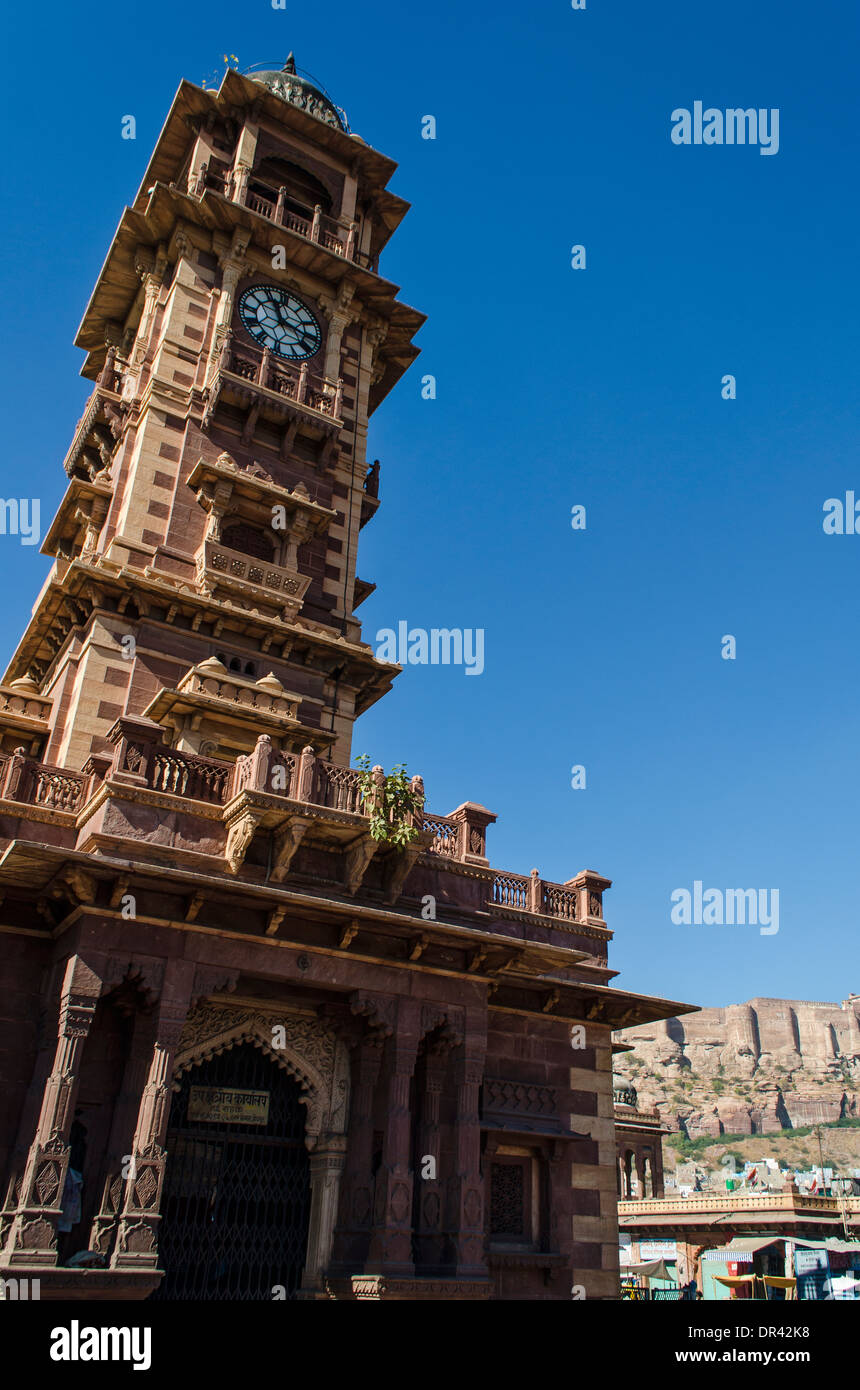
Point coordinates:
[(236, 1194)]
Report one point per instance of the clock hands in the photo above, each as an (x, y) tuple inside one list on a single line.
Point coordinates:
[(286, 322)]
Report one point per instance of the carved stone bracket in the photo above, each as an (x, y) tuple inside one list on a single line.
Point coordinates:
[(398, 867), (286, 842), (240, 833), (357, 858), (379, 1009)]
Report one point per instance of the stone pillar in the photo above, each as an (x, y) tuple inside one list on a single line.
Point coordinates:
[(150, 270), (647, 1176), (659, 1186), (232, 269), (430, 1237), (326, 1164), (640, 1174), (356, 1199), (340, 316), (203, 151), (466, 1189), (120, 1143), (137, 1235), (46, 1048), (473, 821), (391, 1239), (32, 1232)]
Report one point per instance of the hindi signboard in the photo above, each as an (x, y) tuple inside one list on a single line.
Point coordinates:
[(658, 1250), (228, 1105)]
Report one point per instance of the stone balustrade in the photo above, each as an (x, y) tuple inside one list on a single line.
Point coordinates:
[(22, 706), (140, 758), (727, 1202), (219, 567), (578, 900), (336, 235), (36, 783), (299, 385)]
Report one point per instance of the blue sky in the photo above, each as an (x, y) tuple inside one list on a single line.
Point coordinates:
[(554, 387)]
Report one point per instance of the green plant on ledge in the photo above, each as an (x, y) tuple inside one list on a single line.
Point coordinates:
[(389, 801)]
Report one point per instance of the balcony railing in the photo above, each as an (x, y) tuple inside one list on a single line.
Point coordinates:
[(141, 759), (181, 774), (40, 784), (534, 894), (222, 566), (336, 235), (512, 890), (446, 834), (301, 777), (294, 384), (723, 1203)]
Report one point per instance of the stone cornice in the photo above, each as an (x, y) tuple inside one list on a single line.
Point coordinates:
[(153, 221), (69, 578), (551, 994)]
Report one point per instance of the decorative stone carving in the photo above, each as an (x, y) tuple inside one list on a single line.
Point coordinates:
[(380, 1009), (240, 833), (518, 1098), (357, 858), (290, 87), (311, 1053), (287, 841), (31, 1227), (398, 868)]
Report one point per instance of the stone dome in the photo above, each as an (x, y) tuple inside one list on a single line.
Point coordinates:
[(300, 91)]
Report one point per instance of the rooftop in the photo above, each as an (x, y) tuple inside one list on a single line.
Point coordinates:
[(299, 89)]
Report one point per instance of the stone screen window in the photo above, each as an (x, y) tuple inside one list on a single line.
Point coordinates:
[(509, 1206), (249, 540)]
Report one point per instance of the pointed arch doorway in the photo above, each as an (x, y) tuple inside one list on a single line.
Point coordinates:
[(236, 1196)]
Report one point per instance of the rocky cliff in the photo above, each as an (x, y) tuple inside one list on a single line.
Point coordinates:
[(751, 1068)]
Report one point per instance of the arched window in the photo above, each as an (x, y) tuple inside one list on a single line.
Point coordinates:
[(304, 191), (648, 1175), (630, 1180)]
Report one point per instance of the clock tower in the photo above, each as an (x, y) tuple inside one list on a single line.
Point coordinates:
[(269, 1028), (239, 337)]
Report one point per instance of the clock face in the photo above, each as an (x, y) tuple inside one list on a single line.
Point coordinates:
[(277, 320)]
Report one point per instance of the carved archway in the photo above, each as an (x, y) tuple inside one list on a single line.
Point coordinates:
[(303, 1046), (311, 1053)]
